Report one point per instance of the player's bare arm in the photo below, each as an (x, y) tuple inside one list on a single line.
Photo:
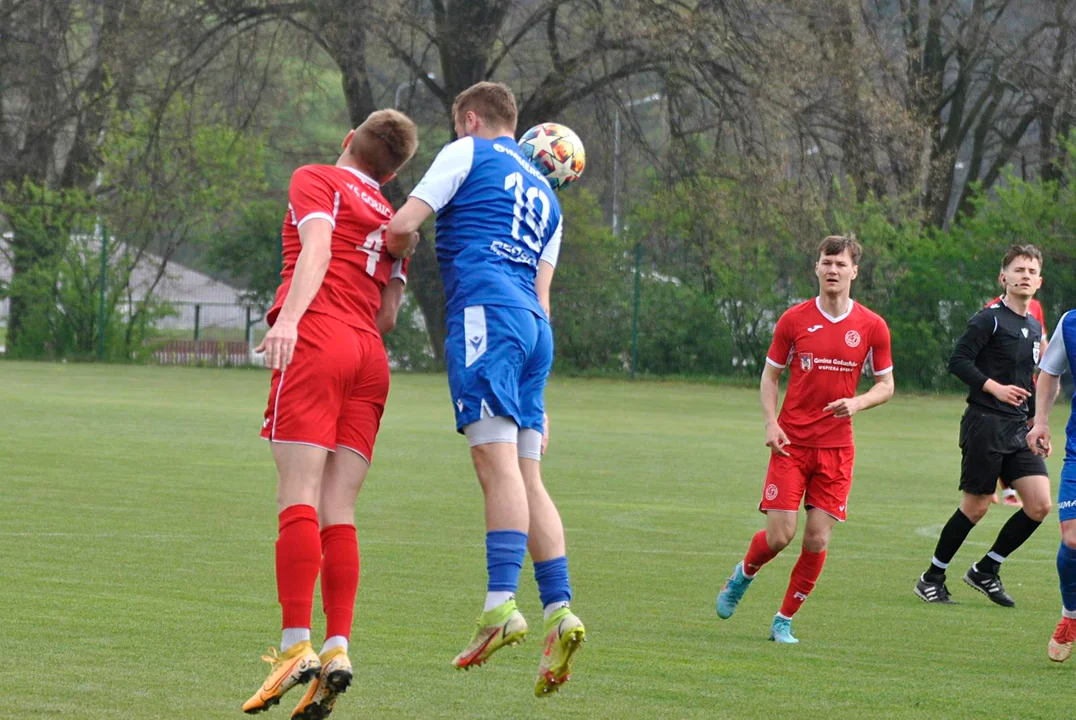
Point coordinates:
[(1038, 438), (279, 343), (542, 284), (402, 237), (877, 395), (391, 298), (769, 390), (1010, 394)]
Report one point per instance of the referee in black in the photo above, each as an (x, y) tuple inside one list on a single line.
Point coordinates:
[(996, 357)]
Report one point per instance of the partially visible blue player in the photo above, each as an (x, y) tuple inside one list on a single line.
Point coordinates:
[(1059, 356), (498, 237)]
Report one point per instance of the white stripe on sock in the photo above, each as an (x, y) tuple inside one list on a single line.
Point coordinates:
[(938, 563), (334, 642), (553, 607), (1070, 614), (995, 557), (293, 636), (497, 597)]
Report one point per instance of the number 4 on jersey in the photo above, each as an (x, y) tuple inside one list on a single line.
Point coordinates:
[(372, 247)]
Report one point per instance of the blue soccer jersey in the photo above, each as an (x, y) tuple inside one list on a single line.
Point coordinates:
[(497, 218), (1061, 356)]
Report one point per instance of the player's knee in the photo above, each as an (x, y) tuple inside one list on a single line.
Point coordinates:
[(975, 509), (1068, 536), (1038, 509), (816, 541), (779, 538)]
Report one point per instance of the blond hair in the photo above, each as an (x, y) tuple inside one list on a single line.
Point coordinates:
[(384, 142), (493, 102)]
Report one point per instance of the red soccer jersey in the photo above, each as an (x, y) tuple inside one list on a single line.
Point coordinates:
[(825, 356), (360, 267), (1034, 308)]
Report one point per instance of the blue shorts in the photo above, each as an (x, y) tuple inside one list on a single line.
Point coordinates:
[(1066, 491), (498, 360)]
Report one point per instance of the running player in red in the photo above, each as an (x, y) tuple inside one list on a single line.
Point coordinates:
[(1009, 495), (340, 290), (825, 342)]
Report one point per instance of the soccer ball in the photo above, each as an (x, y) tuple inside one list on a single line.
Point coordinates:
[(556, 151)]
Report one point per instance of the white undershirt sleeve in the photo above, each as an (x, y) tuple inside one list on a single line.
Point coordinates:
[(551, 251), (448, 171), (1055, 359)]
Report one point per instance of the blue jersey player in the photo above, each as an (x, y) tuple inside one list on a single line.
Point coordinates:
[(498, 237), (1060, 355)]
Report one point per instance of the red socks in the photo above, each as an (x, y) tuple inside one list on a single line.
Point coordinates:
[(758, 554), (339, 578), (298, 560), (801, 583)]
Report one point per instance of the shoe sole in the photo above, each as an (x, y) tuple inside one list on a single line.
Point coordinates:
[(971, 583), (1062, 652), (551, 680), (509, 641), (338, 682), (304, 677)]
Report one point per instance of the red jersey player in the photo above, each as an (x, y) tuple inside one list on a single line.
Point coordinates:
[(1034, 309), (825, 342), (340, 290)]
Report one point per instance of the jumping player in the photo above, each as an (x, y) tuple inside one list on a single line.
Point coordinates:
[(996, 358), (825, 342), (1061, 355), (498, 235), (340, 290)]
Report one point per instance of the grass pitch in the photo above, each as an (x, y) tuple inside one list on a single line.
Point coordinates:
[(136, 565)]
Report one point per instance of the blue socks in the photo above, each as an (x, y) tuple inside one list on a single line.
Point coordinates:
[(1066, 571), (504, 559), (552, 579)]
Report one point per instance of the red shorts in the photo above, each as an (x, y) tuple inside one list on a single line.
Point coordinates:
[(823, 475), (333, 393)]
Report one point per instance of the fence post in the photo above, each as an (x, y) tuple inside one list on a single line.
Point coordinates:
[(197, 321), (101, 303), (249, 339), (635, 312)]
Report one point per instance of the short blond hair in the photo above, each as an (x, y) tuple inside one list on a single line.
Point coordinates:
[(493, 102), (385, 141)]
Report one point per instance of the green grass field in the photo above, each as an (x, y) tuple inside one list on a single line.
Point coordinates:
[(136, 561)]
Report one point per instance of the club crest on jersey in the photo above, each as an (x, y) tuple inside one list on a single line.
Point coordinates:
[(771, 492), (851, 338), (806, 362), (1035, 352)]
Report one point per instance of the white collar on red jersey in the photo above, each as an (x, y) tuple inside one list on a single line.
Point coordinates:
[(827, 316), (362, 176)]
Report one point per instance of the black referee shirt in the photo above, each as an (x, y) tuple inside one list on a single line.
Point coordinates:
[(1002, 346)]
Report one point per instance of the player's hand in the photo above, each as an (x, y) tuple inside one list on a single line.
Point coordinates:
[(1038, 439), (845, 407), (412, 243), (545, 432), (776, 440), (1011, 394), (279, 344)]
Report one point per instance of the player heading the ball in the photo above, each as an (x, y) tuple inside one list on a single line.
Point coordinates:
[(498, 237)]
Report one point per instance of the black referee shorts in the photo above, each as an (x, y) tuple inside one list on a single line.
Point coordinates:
[(994, 446)]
